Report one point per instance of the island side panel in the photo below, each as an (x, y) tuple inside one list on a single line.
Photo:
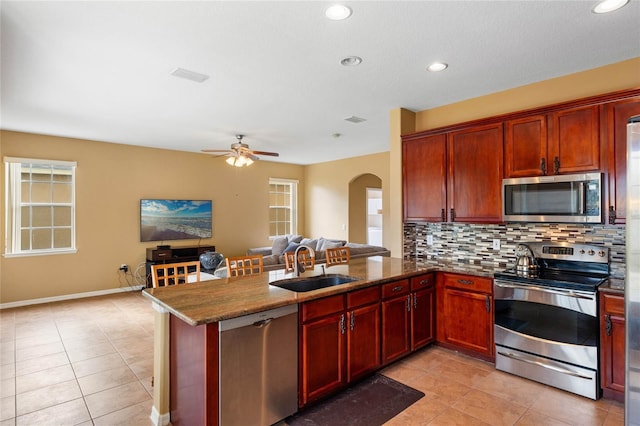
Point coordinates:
[(193, 373)]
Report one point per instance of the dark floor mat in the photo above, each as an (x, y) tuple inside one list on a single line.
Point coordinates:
[(371, 402)]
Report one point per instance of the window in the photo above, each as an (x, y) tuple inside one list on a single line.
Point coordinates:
[(40, 206), (283, 195)]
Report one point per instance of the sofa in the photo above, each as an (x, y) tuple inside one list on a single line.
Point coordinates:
[(273, 256)]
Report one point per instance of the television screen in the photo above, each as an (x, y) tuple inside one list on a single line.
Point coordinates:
[(163, 220)]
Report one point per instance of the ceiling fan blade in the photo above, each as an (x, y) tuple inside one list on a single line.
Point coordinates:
[(215, 150), (273, 154)]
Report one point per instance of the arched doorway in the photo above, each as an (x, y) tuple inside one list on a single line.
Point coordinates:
[(365, 209)]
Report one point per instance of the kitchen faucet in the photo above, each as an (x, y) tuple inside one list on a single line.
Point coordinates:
[(298, 267)]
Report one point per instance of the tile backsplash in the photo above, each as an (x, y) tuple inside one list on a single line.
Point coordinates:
[(473, 244)]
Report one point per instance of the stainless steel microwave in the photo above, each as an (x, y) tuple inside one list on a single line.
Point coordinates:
[(573, 198)]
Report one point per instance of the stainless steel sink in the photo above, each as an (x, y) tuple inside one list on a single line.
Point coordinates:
[(303, 284)]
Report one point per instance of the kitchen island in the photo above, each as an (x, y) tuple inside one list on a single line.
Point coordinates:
[(188, 317)]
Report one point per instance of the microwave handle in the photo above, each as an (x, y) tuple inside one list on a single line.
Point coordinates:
[(581, 198)]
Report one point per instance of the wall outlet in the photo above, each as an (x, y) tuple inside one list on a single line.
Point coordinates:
[(496, 244), (124, 267), (429, 240)]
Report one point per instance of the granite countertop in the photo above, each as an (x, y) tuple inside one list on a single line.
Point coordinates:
[(220, 299), (613, 285)]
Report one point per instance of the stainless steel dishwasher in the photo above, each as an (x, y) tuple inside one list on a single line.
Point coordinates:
[(259, 367)]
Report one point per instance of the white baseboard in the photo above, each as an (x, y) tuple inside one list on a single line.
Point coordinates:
[(68, 297), (158, 419)]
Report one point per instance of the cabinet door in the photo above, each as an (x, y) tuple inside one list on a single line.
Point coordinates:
[(395, 328), (525, 144), (617, 116), (422, 318), (322, 364), (475, 175), (467, 320), (612, 342), (574, 142), (424, 178), (363, 341)]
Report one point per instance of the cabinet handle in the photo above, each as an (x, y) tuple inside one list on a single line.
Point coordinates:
[(612, 215), (465, 282), (408, 303), (607, 319), (488, 304), (415, 301), (398, 288), (442, 214), (556, 165), (543, 166), (342, 329), (353, 320), (425, 282), (452, 214)]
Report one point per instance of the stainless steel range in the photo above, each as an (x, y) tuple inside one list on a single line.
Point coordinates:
[(546, 315)]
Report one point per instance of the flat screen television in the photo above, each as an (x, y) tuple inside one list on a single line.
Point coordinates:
[(165, 220)]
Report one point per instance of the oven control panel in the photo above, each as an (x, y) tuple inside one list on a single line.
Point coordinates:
[(570, 251)]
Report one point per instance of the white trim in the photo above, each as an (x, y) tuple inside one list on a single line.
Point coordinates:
[(158, 419), (40, 161), (47, 252), (159, 308), (68, 297)]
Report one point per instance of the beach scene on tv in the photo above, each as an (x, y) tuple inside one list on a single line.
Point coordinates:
[(162, 220)]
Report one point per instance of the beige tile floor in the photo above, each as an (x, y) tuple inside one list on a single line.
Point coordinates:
[(90, 362)]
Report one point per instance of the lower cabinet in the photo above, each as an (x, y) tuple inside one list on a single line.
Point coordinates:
[(465, 314), (340, 341), (612, 345), (408, 316)]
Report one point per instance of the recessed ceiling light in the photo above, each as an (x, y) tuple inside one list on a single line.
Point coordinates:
[(189, 75), (437, 66), (356, 120), (606, 6), (351, 61), (338, 12)]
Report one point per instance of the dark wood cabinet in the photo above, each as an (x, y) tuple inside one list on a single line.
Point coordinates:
[(525, 147), (423, 310), (339, 342), (475, 174), (396, 317), (574, 140), (617, 114), (424, 180), (465, 314), (454, 176), (612, 346)]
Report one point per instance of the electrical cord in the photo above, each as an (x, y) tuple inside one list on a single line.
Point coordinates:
[(133, 279)]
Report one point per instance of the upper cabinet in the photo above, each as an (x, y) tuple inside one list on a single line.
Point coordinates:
[(574, 144), (617, 115), (565, 141), (453, 176)]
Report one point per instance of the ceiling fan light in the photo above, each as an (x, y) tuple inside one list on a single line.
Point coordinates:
[(231, 161)]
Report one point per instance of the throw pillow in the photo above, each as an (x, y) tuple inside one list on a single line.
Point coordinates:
[(294, 238), (291, 247), (324, 244), (279, 244), (313, 243)]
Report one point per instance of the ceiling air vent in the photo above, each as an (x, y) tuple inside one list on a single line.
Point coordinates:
[(189, 75), (355, 119)]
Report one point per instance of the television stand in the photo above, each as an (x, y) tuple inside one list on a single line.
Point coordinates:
[(157, 255)]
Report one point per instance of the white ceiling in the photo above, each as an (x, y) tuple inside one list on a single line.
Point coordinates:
[(100, 70)]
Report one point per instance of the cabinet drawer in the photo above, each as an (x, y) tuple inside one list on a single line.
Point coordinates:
[(468, 282), (422, 281), (396, 288), (322, 307), (612, 304), (363, 297)]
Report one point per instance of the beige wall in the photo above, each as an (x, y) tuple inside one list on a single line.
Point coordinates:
[(358, 206), (111, 180), (327, 192)]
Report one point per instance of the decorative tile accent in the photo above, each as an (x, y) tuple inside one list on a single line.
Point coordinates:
[(473, 244)]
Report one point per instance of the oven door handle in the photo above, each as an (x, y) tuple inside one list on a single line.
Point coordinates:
[(541, 364), (545, 290)]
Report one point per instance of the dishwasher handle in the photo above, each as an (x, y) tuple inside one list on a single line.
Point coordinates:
[(262, 323)]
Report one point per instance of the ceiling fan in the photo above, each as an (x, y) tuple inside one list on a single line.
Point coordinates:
[(240, 154)]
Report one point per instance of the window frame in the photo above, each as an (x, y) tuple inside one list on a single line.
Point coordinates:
[(14, 204), (293, 208)]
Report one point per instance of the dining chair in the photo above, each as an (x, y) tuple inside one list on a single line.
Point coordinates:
[(305, 258), (244, 265), (337, 255), (166, 274)]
